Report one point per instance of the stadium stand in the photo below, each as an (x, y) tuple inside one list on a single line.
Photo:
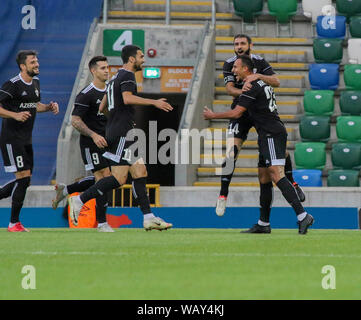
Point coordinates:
[(283, 11), (348, 8), (348, 128), (310, 155), (346, 155), (328, 50), (331, 27), (324, 76), (319, 102), (59, 42), (343, 178), (308, 177), (352, 76), (350, 102), (315, 128), (355, 27), (248, 10), (354, 51)]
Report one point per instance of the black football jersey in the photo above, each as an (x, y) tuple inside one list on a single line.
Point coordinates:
[(260, 102), (16, 95), (121, 115), (86, 106), (260, 66)]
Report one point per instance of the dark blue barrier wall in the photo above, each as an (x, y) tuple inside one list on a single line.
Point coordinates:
[(325, 218), (61, 30)]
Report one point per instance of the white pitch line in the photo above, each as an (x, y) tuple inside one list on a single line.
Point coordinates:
[(232, 254)]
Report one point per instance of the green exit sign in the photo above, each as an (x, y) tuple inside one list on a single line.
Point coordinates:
[(151, 73)]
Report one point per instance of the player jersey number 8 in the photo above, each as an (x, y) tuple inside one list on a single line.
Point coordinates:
[(268, 90)]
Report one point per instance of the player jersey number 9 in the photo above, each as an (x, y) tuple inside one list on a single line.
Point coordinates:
[(268, 90), (110, 92)]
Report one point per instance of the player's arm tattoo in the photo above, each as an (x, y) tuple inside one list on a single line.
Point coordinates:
[(79, 125)]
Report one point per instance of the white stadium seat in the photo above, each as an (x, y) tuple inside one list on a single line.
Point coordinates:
[(354, 51), (313, 8)]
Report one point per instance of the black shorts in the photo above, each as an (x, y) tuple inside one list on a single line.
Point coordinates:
[(93, 157), (121, 152), (17, 156), (240, 127), (272, 150)]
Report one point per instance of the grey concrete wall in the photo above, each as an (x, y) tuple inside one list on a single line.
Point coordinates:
[(41, 196)]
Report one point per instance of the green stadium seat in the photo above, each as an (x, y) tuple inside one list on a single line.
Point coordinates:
[(348, 8), (319, 102), (346, 155), (352, 76), (310, 155), (327, 50), (283, 10), (315, 128), (350, 102), (248, 10), (348, 128), (355, 27), (343, 178)]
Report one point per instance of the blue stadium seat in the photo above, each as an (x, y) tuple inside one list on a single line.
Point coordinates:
[(324, 76), (331, 27), (308, 177)]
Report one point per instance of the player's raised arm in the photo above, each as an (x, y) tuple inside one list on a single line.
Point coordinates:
[(130, 98), (231, 114)]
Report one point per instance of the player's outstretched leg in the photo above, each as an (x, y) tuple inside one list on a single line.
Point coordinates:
[(99, 188), (7, 189), (62, 191)]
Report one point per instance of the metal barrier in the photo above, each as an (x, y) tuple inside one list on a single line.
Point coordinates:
[(129, 187)]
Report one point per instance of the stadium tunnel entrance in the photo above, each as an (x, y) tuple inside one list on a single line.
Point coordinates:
[(148, 118)]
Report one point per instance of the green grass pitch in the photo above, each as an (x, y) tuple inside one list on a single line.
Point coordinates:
[(180, 264)]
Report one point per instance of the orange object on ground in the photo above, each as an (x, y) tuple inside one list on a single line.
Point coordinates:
[(87, 216)]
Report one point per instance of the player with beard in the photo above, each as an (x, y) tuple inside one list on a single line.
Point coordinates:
[(272, 139), (19, 104), (118, 103), (238, 128)]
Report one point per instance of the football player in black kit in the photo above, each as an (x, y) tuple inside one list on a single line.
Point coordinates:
[(238, 128), (19, 104), (87, 119), (118, 104), (260, 103)]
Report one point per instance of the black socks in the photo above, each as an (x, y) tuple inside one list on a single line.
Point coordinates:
[(140, 194), (289, 193), (100, 188), (81, 185), (18, 196), (265, 201), (228, 167)]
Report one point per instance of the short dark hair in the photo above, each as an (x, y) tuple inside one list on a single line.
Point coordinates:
[(93, 61), (247, 61), (240, 35), (129, 51), (22, 55)]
